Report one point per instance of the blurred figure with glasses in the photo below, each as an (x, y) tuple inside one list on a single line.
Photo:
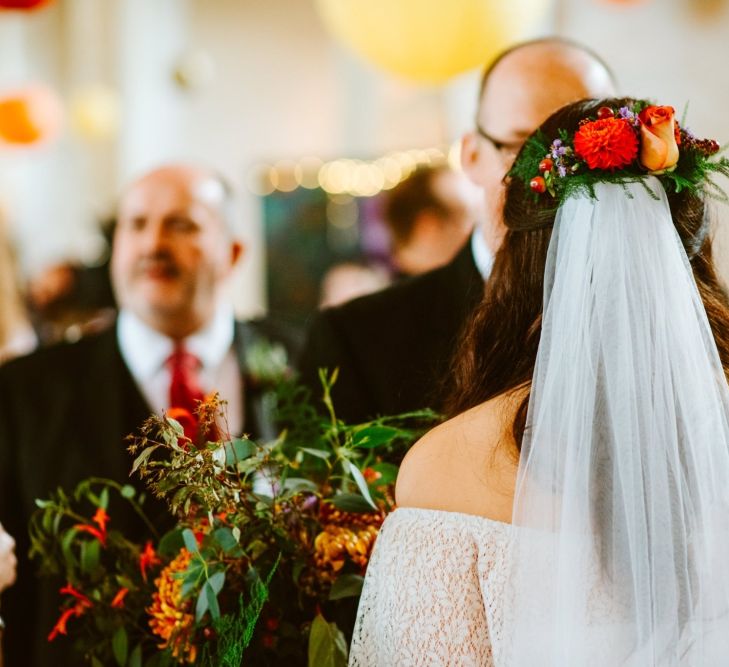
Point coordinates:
[(393, 348)]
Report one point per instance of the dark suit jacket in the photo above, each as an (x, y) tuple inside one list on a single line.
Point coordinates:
[(64, 412), (393, 348)]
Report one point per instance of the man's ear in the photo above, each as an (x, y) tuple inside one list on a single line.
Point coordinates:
[(237, 250), (471, 157)]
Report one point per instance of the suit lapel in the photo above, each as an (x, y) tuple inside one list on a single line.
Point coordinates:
[(119, 408)]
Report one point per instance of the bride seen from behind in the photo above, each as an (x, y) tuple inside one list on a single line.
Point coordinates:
[(574, 509)]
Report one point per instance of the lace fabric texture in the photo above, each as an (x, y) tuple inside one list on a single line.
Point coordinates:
[(434, 592)]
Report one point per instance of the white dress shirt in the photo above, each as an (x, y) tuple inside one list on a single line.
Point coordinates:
[(482, 255), (145, 352)]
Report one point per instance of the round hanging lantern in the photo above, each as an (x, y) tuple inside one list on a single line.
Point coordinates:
[(29, 116), (431, 40), (94, 112), (23, 5)]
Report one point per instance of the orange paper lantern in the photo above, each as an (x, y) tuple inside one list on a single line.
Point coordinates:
[(29, 116), (23, 5)]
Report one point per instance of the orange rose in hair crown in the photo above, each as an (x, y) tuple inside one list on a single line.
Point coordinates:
[(659, 138)]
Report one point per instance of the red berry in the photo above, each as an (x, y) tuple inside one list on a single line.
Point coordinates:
[(605, 112), (546, 164), (538, 185)]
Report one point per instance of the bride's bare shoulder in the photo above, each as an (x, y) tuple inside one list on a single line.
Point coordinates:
[(467, 464)]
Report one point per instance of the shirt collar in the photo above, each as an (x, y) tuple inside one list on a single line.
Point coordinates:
[(146, 350), (482, 256)]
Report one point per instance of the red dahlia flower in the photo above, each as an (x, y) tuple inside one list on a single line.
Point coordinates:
[(610, 143)]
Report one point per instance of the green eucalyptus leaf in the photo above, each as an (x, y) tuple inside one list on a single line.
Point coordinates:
[(212, 598), (225, 538), (346, 586), (216, 581), (135, 659), (190, 541), (202, 604), (171, 543), (361, 482), (351, 502), (142, 458), (238, 450), (375, 436), (128, 491), (120, 646), (327, 646), (297, 484), (318, 453)]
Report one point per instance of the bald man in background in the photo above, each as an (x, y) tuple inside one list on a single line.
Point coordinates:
[(393, 348), (65, 410)]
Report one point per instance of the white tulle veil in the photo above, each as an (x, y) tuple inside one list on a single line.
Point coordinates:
[(622, 503)]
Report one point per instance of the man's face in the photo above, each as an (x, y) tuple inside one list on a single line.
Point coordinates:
[(524, 89), (171, 252)]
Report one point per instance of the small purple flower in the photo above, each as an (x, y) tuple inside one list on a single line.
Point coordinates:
[(556, 143), (562, 171)]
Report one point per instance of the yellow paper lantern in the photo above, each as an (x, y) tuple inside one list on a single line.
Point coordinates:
[(29, 116), (94, 112), (431, 40)]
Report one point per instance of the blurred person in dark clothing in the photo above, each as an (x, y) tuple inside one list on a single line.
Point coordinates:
[(65, 410), (429, 216), (393, 348)]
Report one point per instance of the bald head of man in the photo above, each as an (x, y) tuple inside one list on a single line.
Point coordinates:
[(520, 90), (174, 248)]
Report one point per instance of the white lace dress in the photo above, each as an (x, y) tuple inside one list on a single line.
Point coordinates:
[(433, 592)]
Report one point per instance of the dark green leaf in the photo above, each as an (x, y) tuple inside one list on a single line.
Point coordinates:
[(351, 502), (90, 554), (171, 543), (95, 662), (374, 436), (119, 646), (327, 646), (135, 659), (66, 548), (346, 586), (104, 498)]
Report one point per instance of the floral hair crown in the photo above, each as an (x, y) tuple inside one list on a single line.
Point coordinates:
[(620, 146)]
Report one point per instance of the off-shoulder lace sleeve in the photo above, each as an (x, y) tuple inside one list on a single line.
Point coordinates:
[(431, 592)]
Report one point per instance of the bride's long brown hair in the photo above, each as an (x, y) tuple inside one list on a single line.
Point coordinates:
[(498, 348)]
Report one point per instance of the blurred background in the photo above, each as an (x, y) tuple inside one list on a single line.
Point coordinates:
[(313, 109)]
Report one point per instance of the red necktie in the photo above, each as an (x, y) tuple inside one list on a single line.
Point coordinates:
[(185, 389)]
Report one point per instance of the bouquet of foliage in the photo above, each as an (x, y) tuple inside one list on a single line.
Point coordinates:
[(266, 561)]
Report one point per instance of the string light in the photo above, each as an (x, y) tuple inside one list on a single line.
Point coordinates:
[(343, 176)]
